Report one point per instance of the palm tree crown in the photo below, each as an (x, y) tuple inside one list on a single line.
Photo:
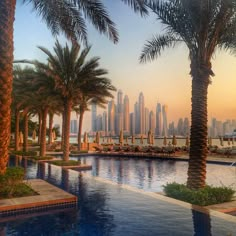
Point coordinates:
[(203, 26)]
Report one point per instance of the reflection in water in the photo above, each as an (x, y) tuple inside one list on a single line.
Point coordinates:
[(54, 224), (201, 223), (95, 218), (105, 209)]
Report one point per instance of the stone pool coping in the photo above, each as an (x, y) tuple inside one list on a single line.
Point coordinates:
[(49, 195), (211, 210)]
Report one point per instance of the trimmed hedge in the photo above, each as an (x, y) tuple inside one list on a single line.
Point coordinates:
[(203, 197), (41, 158)]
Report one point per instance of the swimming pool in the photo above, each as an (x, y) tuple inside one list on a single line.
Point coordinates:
[(108, 208)]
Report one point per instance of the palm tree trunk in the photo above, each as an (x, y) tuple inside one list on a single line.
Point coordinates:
[(43, 132), (40, 127), (198, 139), (25, 139), (66, 145), (50, 127), (17, 129), (7, 12), (80, 129), (63, 129)]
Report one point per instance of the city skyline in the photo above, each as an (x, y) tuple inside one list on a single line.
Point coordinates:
[(166, 79)]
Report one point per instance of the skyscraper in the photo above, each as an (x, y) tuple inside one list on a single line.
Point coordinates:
[(152, 122), (165, 124), (158, 120), (132, 123), (119, 112), (136, 119), (126, 115), (111, 117), (73, 126), (146, 121), (141, 114), (104, 122), (94, 116)]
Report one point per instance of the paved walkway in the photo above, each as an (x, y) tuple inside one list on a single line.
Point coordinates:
[(48, 195)]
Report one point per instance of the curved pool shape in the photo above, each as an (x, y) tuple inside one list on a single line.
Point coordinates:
[(111, 209)]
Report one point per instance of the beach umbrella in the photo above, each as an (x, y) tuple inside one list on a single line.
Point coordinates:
[(133, 139), (149, 141), (21, 137), (221, 141), (126, 139), (209, 141), (174, 141), (34, 135), (97, 137), (85, 137), (164, 141), (187, 141), (121, 137), (141, 139), (152, 139)]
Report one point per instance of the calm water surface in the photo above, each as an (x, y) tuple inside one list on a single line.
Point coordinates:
[(110, 209)]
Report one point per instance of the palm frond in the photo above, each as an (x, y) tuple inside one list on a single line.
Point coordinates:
[(153, 48), (96, 13)]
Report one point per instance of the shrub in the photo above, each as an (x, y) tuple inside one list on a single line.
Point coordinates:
[(11, 184), (66, 163), (203, 197), (78, 152), (22, 153), (40, 158)]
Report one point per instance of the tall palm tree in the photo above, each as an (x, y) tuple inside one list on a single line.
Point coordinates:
[(67, 16), (204, 26), (72, 75), (22, 100)]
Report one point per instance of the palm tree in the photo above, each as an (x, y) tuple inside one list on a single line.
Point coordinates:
[(72, 76), (67, 16), (22, 101), (94, 90), (204, 26)]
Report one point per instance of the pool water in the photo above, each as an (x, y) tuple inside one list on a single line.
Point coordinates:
[(111, 209), (150, 175)]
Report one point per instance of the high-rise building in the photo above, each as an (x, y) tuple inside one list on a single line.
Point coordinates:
[(73, 127), (152, 122), (99, 123), (165, 124), (94, 116), (141, 114), (111, 117), (180, 127), (119, 112), (158, 120), (104, 122), (136, 119), (132, 123), (186, 127), (146, 121), (126, 115)]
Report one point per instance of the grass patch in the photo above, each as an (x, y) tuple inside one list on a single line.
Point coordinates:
[(65, 163), (22, 153), (41, 158), (12, 185), (79, 152), (202, 197)]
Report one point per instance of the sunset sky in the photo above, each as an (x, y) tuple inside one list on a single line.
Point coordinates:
[(165, 80)]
